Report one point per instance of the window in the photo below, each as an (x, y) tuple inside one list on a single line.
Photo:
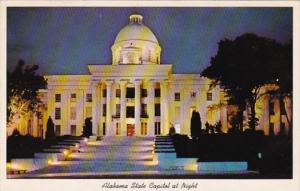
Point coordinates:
[(73, 97), (104, 129), (57, 113), (104, 110), (157, 92), (144, 111), (282, 108), (73, 130), (271, 130), (57, 130), (40, 132), (73, 113), (118, 93), (130, 112), (209, 96), (88, 112), (130, 92), (118, 129), (144, 128), (57, 97), (157, 128), (89, 98), (104, 93), (39, 115), (144, 92), (157, 109), (282, 128), (271, 108), (177, 96), (118, 108), (193, 94)]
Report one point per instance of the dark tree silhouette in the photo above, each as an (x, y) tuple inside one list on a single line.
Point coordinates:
[(50, 134), (195, 124), (172, 130), (207, 127), (87, 128), (243, 66), (283, 77), (218, 127), (22, 89)]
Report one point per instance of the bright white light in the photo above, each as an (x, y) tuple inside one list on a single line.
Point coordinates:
[(259, 155)]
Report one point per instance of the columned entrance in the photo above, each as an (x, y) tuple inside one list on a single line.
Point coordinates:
[(130, 130)]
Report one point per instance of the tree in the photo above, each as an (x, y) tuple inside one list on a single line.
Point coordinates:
[(283, 78), (50, 134), (22, 89), (195, 124), (172, 130), (242, 67), (87, 128)]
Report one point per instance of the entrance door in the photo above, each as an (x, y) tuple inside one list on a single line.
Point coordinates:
[(130, 130)]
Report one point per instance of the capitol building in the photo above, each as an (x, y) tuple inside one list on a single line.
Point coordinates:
[(137, 95)]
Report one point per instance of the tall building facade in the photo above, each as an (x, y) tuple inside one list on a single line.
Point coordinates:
[(136, 95)]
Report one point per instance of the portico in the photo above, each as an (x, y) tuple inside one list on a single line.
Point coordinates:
[(119, 100)]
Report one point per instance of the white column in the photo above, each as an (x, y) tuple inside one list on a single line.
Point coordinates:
[(150, 107), (123, 108), (100, 109), (95, 107), (164, 107), (35, 125), (137, 108), (65, 113), (108, 109)]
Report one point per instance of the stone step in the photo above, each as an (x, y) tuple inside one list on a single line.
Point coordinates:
[(163, 146), (111, 156)]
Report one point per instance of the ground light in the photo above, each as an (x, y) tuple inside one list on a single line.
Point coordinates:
[(66, 152), (8, 166), (49, 161)]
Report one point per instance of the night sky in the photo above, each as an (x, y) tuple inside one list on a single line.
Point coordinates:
[(66, 40)]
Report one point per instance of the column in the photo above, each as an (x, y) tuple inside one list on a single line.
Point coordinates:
[(223, 117), (123, 108), (35, 126), (137, 108), (95, 108), (266, 115), (164, 107), (100, 109), (108, 109), (150, 107)]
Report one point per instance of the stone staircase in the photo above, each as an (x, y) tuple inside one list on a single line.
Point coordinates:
[(117, 149), (166, 155)]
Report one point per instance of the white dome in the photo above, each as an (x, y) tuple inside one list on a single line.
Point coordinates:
[(135, 30), (136, 44)]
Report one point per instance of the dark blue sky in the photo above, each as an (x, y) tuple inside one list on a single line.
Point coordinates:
[(65, 40)]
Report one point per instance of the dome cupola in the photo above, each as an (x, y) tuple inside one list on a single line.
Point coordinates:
[(136, 44)]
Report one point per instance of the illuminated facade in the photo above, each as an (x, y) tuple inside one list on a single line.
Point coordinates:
[(137, 95)]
